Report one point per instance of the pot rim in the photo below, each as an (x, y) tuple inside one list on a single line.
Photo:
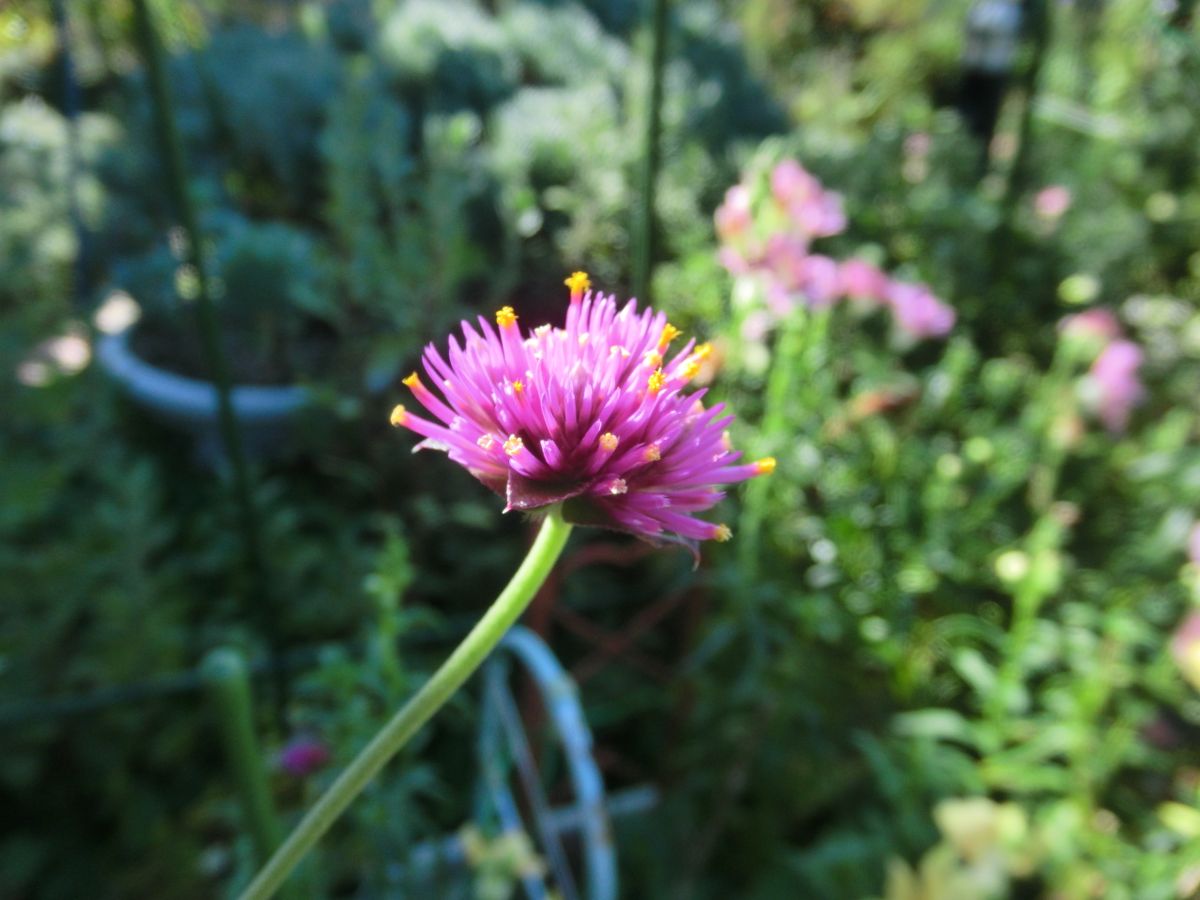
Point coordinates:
[(168, 390)]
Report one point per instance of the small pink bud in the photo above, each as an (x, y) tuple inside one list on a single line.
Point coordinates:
[(302, 756), (1115, 386), (1051, 202), (1185, 648), (733, 216), (1097, 324), (918, 312)]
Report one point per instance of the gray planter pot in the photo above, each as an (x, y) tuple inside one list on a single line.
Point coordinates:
[(188, 405)]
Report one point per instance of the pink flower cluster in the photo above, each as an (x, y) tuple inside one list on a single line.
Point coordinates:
[(1112, 387), (772, 240)]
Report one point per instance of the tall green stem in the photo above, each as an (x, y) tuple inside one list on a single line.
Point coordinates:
[(465, 659), (227, 683), (261, 600), (787, 365), (643, 260)]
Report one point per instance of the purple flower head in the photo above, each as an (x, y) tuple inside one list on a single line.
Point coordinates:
[(918, 312), (303, 755), (1114, 384), (593, 415)]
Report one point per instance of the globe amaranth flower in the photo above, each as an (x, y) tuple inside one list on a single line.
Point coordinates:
[(594, 415)]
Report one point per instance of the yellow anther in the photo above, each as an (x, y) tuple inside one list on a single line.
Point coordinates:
[(703, 351), (398, 415), (669, 333), (513, 445), (652, 453), (506, 316), (764, 466), (412, 380), (618, 486), (652, 359), (609, 441), (691, 369), (578, 283), (486, 441), (722, 533), (657, 379), (518, 386)]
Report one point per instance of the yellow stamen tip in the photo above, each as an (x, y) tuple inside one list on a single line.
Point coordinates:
[(656, 381), (669, 333), (691, 369), (398, 416), (506, 316), (722, 533), (518, 386), (653, 453), (578, 283), (513, 445), (609, 441), (652, 359), (412, 380), (765, 466), (703, 351)]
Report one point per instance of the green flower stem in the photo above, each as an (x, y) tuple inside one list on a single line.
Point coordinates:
[(787, 364), (227, 683), (465, 659)]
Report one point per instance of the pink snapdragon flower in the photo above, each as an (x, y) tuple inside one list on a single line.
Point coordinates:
[(1052, 202), (813, 210), (302, 756), (594, 415), (858, 278), (1115, 386), (771, 241), (799, 275), (918, 312)]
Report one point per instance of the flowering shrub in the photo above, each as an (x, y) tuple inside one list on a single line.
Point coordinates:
[(767, 232)]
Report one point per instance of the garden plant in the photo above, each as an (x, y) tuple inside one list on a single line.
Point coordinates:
[(942, 257)]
